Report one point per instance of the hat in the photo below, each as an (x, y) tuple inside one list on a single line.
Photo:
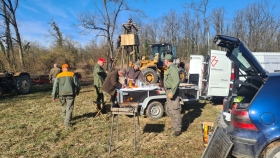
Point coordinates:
[(137, 64), (102, 59), (122, 71), (65, 66), (168, 57)]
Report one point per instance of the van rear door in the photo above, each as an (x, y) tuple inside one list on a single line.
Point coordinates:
[(196, 71), (219, 76)]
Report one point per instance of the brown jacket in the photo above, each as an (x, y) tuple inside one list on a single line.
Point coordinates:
[(111, 83), (134, 74)]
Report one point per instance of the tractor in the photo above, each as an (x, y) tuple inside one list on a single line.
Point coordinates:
[(153, 69), (19, 81)]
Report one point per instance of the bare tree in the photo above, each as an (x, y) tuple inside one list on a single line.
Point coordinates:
[(56, 34), (9, 51), (201, 7), (11, 9), (256, 25), (218, 19), (104, 20), (172, 26)]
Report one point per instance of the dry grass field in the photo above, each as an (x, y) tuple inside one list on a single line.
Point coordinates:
[(31, 126)]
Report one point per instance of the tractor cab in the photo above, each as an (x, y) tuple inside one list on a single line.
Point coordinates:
[(162, 50)]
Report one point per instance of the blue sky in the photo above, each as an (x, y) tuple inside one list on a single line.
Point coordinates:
[(34, 15)]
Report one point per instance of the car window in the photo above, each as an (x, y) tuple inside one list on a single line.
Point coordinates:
[(239, 60)]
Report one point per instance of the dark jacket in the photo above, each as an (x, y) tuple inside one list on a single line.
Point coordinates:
[(111, 83)]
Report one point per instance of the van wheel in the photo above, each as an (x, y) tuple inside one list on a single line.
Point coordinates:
[(155, 110), (150, 75), (272, 150), (182, 75)]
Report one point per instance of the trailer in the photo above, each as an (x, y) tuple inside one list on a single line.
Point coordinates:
[(44, 78), (152, 99)]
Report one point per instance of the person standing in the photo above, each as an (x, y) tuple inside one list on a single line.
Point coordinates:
[(134, 72), (110, 85), (171, 84), (118, 43), (99, 76), (66, 87), (54, 71)]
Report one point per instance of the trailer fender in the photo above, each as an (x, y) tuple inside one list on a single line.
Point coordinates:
[(145, 103)]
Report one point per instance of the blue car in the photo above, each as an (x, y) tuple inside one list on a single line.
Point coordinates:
[(251, 113)]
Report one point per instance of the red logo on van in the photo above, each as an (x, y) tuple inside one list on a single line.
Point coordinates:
[(214, 61)]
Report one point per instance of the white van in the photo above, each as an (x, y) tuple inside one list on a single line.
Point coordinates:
[(270, 61), (212, 75)]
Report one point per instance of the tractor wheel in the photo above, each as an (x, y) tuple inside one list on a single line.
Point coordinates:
[(182, 75), (272, 150), (154, 110), (150, 75), (1, 92), (23, 84)]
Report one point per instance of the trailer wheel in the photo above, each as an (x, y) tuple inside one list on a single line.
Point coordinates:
[(1, 92), (155, 110), (23, 84), (182, 75), (150, 75), (272, 150)]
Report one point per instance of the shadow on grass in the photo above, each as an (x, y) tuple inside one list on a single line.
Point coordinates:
[(87, 115), (194, 111), (217, 101), (155, 128)]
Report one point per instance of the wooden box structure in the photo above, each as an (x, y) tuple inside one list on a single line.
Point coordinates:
[(129, 40)]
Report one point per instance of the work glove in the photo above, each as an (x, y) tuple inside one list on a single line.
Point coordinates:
[(170, 95), (54, 99)]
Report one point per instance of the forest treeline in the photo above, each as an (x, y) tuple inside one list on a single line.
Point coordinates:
[(191, 30)]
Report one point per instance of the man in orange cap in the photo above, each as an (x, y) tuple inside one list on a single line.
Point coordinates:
[(67, 87), (99, 76)]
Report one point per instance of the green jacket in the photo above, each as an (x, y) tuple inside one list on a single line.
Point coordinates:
[(99, 76), (66, 84), (171, 78), (54, 72)]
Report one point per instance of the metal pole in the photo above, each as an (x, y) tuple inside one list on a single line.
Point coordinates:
[(111, 133), (139, 127), (134, 130), (118, 129), (122, 59)]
